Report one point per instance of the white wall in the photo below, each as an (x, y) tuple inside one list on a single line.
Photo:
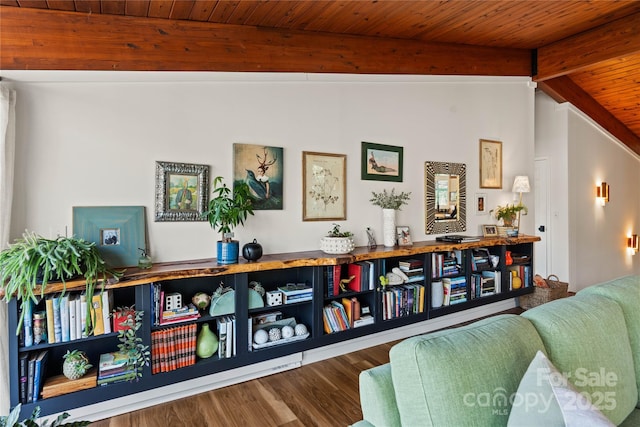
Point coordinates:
[(92, 139), (588, 240), (95, 143)]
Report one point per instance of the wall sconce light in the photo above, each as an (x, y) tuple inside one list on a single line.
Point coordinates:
[(632, 244), (602, 193)]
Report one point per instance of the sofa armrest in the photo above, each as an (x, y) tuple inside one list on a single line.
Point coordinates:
[(377, 397)]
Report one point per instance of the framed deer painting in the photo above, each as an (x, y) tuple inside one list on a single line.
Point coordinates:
[(261, 167)]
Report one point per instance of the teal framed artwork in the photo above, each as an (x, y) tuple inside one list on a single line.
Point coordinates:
[(119, 232)]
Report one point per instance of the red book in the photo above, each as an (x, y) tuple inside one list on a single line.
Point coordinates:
[(354, 270), (337, 272)]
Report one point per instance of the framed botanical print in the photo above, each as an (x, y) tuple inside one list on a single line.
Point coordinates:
[(324, 187), (490, 164)]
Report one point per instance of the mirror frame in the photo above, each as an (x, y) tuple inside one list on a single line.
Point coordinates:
[(431, 225)]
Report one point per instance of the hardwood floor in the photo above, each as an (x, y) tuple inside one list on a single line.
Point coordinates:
[(324, 393)]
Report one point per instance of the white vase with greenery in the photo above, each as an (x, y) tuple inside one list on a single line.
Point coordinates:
[(390, 202)]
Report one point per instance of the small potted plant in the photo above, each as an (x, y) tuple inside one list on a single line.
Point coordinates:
[(390, 202), (337, 242), (35, 261), (138, 355), (508, 213), (228, 209)]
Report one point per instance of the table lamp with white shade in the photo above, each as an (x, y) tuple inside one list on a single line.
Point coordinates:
[(521, 185)]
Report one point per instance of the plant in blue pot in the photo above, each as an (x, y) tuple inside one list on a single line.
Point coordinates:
[(227, 209)]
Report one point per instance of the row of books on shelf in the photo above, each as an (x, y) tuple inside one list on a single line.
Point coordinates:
[(63, 317), (485, 283), (446, 263), (114, 367), (167, 309), (402, 300), (343, 314), (173, 348), (355, 277), (524, 273), (31, 369)]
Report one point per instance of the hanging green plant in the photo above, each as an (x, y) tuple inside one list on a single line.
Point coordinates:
[(130, 343), (35, 261)]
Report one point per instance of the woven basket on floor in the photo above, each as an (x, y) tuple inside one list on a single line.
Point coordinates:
[(556, 290)]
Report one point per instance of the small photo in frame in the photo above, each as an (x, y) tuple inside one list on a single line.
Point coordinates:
[(403, 235), (481, 203), (381, 162), (489, 230), (490, 164)]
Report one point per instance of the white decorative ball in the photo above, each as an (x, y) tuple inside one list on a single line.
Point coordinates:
[(261, 336), (301, 329), (287, 332), (274, 334)]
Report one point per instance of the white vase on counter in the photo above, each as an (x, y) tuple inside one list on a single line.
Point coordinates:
[(389, 227)]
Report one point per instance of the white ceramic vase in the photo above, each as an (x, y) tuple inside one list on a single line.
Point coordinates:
[(389, 227), (437, 294)]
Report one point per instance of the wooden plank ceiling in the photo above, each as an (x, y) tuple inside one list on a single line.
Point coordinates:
[(584, 52)]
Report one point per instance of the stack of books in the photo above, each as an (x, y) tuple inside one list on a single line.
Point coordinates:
[(455, 290), (296, 292), (446, 264), (114, 367), (184, 313), (413, 269)]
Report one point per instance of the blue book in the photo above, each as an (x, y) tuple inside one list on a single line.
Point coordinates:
[(64, 318), (38, 374), (57, 323), (28, 323)]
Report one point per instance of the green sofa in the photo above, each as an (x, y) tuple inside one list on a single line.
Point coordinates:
[(488, 373)]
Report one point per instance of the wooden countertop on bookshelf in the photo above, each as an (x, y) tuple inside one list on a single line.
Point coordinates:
[(209, 267)]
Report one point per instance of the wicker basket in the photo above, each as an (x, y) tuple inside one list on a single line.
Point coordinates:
[(556, 290)]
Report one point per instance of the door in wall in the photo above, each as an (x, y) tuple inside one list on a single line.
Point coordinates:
[(541, 216)]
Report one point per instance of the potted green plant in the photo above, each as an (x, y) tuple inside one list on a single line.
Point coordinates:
[(508, 213), (228, 209), (337, 242), (390, 202), (11, 420), (138, 355), (35, 261)]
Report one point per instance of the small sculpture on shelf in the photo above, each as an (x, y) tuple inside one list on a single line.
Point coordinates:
[(201, 300), (75, 365)]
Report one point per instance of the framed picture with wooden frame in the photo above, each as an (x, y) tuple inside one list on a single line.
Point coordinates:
[(489, 230), (490, 164), (324, 186), (381, 162)]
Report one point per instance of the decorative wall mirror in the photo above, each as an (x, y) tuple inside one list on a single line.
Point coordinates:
[(445, 197)]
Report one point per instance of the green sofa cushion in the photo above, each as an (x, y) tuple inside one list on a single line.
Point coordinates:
[(626, 292), (546, 398), (377, 397), (463, 376), (586, 339)]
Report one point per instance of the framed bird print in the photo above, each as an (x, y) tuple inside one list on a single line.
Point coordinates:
[(261, 167), (324, 187)]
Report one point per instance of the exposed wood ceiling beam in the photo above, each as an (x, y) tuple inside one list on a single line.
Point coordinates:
[(614, 40), (563, 89), (34, 39)]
